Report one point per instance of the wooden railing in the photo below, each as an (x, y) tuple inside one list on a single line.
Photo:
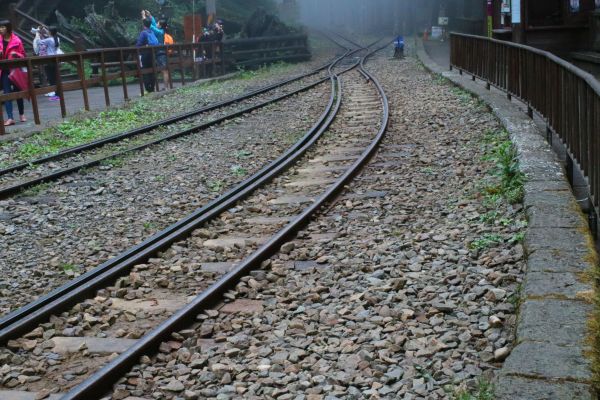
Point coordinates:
[(114, 65), (243, 53), (107, 67), (565, 96)]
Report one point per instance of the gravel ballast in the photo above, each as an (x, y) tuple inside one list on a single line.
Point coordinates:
[(406, 288)]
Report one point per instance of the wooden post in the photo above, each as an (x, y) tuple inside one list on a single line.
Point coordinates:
[(167, 49), (222, 59), (32, 95), (204, 74), (154, 68), (2, 129), (123, 77), (213, 69), (181, 67), (81, 72), (139, 71), (59, 88), (104, 80)]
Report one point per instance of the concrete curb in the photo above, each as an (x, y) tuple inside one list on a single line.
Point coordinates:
[(550, 356)]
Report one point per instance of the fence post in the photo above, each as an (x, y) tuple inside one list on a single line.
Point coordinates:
[(167, 50), (139, 71), (222, 58), (181, 66), (123, 77), (32, 95), (154, 68), (104, 80), (570, 169), (81, 72), (593, 220), (59, 89), (2, 129), (549, 135)]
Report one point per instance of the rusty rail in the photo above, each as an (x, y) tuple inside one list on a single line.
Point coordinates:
[(117, 64), (567, 97)]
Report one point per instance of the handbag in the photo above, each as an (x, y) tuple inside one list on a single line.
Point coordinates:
[(19, 78)]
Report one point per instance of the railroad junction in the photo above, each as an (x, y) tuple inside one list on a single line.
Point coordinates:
[(356, 226)]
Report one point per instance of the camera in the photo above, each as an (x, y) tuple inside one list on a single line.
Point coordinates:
[(35, 30)]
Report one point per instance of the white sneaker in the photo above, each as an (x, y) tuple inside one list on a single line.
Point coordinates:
[(51, 94)]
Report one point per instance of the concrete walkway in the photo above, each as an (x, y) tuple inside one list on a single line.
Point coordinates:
[(439, 52), (50, 110)]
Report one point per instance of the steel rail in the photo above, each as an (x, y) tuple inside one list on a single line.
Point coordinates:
[(25, 318), (96, 385), (163, 122), (8, 191)]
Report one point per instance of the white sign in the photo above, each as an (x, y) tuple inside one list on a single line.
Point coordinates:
[(505, 8), (516, 11), (436, 32), (443, 21)]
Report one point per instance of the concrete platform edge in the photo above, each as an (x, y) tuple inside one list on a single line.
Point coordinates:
[(545, 363)]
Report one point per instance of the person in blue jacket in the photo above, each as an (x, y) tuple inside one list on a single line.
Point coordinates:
[(147, 38), (399, 47)]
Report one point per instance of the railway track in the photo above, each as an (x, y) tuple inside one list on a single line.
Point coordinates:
[(21, 176), (229, 237)]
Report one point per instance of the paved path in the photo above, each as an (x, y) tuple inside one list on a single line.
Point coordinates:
[(50, 110), (439, 52)]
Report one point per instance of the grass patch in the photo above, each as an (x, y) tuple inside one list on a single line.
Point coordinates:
[(486, 241), (215, 186), (483, 391), (76, 131), (35, 190), (116, 162), (464, 96), (149, 226), (508, 180), (238, 170), (243, 154)]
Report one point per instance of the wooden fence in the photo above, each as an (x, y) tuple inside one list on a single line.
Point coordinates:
[(118, 64), (106, 67), (565, 96), (243, 53)]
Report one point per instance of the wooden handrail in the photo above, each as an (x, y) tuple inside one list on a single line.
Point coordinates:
[(202, 59), (567, 97)]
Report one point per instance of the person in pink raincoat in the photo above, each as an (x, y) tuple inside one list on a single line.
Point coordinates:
[(11, 47)]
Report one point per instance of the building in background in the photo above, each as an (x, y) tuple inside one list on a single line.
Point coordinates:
[(560, 26)]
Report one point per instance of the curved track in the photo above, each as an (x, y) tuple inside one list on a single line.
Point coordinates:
[(368, 109), (21, 176)]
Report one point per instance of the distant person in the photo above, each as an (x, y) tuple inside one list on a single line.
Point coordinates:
[(41, 50), (147, 38), (11, 47), (399, 47), (160, 31), (52, 48), (219, 31)]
